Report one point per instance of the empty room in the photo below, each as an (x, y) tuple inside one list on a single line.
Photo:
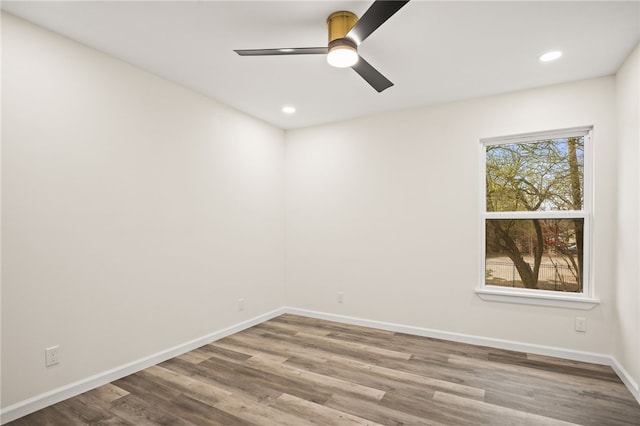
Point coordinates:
[(320, 212)]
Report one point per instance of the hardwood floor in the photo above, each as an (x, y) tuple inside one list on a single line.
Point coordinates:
[(297, 371)]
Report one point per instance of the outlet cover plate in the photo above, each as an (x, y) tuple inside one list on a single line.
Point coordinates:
[(52, 356)]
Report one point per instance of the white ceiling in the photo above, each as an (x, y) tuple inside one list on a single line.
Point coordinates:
[(434, 51)]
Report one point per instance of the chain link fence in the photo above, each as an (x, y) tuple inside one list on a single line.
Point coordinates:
[(550, 276)]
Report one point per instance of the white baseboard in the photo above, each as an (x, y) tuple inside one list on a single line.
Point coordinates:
[(631, 384), (60, 394), (54, 396)]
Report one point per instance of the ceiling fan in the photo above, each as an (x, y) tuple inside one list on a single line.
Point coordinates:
[(346, 32)]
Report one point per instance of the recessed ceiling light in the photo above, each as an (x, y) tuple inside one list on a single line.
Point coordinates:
[(288, 109), (550, 56)]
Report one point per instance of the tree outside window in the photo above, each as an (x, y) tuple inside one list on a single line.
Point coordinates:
[(535, 216)]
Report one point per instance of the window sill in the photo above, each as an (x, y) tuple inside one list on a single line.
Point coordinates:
[(538, 297)]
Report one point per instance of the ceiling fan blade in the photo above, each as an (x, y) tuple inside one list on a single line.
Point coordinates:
[(283, 51), (375, 16), (371, 75)]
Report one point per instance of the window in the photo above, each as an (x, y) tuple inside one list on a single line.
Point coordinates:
[(536, 219)]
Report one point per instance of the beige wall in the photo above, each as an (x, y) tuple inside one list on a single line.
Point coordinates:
[(386, 210), (627, 317), (135, 212)]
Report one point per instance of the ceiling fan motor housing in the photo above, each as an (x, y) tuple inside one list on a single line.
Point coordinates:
[(339, 24), (342, 51)]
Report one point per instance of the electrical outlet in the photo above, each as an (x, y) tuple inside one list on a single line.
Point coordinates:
[(52, 356), (581, 324), (340, 297), (241, 304)]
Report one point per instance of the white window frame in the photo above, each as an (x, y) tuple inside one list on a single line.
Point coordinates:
[(584, 300)]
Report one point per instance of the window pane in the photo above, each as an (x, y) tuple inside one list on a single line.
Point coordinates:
[(536, 176), (544, 254)]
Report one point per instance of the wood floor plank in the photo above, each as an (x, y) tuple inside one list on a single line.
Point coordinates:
[(498, 415), (563, 368), (546, 376), (319, 413), (425, 407), (138, 384), (343, 345), (363, 376), (104, 406), (428, 382), (108, 393), (382, 377), (237, 404), (376, 412), (201, 413), (315, 379), (260, 414), (317, 360), (298, 371), (195, 356), (293, 385), (224, 377), (393, 343), (197, 389), (136, 411), (214, 349), (547, 360), (295, 345), (269, 346), (86, 411)]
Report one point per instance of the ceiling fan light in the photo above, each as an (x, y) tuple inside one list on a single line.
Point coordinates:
[(343, 53), (342, 57)]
